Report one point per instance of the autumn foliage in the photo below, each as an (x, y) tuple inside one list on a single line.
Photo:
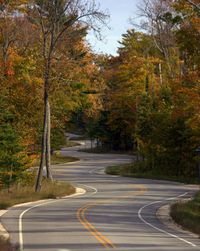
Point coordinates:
[(145, 100), (22, 86), (152, 104)]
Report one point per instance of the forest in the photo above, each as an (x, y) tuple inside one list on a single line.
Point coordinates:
[(145, 100)]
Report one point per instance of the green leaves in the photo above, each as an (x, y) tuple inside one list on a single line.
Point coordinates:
[(12, 165), (168, 17)]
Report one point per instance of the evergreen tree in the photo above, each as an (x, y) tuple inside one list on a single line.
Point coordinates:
[(12, 166)]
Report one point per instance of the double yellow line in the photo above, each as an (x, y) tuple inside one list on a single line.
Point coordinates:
[(82, 218)]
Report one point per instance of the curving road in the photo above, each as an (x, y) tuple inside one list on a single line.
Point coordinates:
[(115, 213)]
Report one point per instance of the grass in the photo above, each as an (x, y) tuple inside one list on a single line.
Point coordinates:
[(79, 137), (187, 214), (5, 245), (70, 143), (137, 170), (56, 159), (18, 194), (21, 194)]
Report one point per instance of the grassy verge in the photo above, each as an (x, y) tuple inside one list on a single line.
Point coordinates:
[(21, 194), (137, 170), (187, 214), (57, 158), (70, 143), (6, 246), (79, 137)]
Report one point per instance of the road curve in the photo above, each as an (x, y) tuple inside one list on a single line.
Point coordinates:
[(115, 213)]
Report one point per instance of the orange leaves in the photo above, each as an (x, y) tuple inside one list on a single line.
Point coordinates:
[(10, 72), (6, 68), (12, 5)]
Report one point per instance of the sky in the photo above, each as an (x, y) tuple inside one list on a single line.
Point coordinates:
[(120, 12)]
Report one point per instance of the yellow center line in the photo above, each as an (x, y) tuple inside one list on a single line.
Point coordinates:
[(83, 220), (81, 216)]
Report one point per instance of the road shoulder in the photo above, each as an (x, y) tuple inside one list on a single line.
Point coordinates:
[(3, 232), (163, 215)]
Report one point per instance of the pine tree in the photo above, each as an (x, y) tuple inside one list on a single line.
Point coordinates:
[(12, 166)]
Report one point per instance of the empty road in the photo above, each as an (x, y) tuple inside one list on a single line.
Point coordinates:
[(115, 213)]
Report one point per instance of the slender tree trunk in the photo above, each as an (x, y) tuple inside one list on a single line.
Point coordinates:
[(46, 149), (11, 176), (48, 144), (147, 84), (44, 143), (160, 73)]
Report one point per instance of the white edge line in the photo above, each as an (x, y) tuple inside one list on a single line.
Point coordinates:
[(161, 230), (68, 163), (94, 171), (21, 240), (93, 188)]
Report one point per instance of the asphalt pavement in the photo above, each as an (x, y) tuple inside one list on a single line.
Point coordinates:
[(115, 213)]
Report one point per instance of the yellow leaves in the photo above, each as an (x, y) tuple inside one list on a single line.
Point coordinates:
[(95, 106), (13, 5), (194, 23), (183, 6), (134, 73), (38, 81), (194, 122)]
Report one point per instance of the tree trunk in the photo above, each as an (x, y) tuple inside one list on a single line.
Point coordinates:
[(11, 176), (48, 143), (160, 73), (44, 145), (46, 149)]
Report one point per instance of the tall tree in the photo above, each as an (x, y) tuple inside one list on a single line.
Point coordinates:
[(9, 28), (160, 21), (55, 19), (12, 158)]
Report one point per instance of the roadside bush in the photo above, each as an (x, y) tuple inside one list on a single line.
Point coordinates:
[(187, 214)]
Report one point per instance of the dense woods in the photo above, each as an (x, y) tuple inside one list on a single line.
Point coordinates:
[(145, 100), (45, 62), (152, 101)]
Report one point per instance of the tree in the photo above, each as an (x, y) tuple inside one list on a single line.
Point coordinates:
[(159, 118), (194, 4), (10, 25), (55, 19), (133, 76), (161, 20), (12, 157)]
